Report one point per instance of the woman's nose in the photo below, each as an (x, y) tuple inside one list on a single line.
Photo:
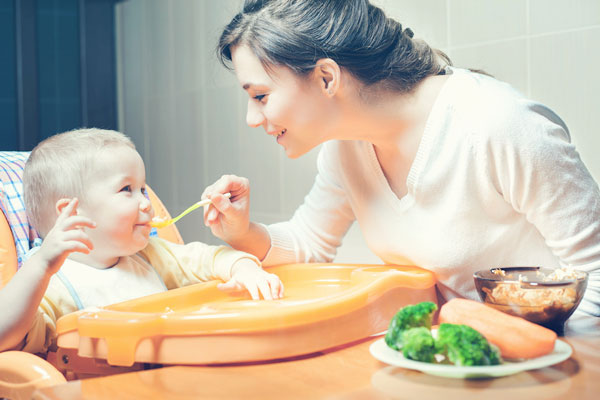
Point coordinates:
[(254, 117)]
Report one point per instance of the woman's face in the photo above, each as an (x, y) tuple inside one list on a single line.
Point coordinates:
[(292, 109)]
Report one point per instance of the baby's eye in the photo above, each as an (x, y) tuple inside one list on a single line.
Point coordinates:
[(144, 191), (259, 97), (126, 188)]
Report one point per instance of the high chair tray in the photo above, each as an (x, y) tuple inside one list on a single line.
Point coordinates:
[(325, 305)]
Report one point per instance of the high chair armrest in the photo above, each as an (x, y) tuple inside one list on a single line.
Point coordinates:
[(170, 233), (8, 252), (21, 373)]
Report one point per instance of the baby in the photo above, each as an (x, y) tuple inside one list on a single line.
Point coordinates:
[(85, 193)]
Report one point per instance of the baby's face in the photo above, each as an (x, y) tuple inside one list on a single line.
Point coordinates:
[(116, 200)]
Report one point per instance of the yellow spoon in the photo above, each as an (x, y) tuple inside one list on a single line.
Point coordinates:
[(158, 223)]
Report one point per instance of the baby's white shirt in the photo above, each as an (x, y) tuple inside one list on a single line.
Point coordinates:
[(130, 278)]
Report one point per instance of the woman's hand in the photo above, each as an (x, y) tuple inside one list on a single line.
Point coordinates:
[(228, 219), (65, 237), (247, 275)]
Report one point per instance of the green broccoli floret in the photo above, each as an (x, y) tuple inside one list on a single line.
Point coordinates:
[(418, 344), (413, 316), (463, 345)]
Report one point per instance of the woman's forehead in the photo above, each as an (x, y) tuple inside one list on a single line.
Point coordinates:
[(251, 72), (248, 68)]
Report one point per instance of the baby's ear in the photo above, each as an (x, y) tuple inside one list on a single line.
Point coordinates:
[(60, 204)]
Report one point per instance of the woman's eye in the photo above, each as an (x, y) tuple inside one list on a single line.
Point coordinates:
[(126, 188)]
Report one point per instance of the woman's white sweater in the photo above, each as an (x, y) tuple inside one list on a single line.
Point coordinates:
[(495, 182)]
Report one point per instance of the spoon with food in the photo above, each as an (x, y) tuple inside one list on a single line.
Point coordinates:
[(158, 222)]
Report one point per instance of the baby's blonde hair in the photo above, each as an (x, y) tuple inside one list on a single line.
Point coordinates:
[(58, 167)]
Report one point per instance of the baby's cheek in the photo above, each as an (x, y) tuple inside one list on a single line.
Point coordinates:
[(122, 233)]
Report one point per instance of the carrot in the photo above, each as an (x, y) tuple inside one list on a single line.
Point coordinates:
[(515, 336)]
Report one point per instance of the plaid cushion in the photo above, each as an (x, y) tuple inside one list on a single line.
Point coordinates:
[(11, 200), (12, 204)]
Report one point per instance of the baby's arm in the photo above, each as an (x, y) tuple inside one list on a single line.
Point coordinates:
[(182, 265), (246, 274), (25, 290)]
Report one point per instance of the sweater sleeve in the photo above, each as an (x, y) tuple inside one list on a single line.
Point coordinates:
[(318, 226), (541, 175), (182, 265), (56, 302)]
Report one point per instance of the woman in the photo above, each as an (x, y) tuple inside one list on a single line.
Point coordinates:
[(441, 167)]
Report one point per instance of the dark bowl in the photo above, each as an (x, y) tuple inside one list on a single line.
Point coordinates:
[(527, 292)]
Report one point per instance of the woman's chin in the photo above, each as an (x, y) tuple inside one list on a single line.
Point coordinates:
[(293, 154), (299, 150)]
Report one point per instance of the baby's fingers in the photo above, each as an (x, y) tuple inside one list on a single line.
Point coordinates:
[(276, 286), (77, 236), (265, 289), (69, 209), (230, 286), (253, 290), (78, 247), (77, 221)]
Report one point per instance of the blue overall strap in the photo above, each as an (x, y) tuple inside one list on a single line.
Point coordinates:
[(70, 288)]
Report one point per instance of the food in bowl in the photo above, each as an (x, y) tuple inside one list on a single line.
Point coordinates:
[(541, 295)]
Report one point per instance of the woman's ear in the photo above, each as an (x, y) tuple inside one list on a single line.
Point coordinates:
[(328, 74), (60, 204)]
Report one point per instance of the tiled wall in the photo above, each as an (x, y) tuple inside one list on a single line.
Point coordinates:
[(548, 49), (186, 113)]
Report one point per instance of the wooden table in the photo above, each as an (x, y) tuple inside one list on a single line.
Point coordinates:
[(349, 372)]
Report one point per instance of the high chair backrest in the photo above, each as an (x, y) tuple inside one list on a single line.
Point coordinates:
[(17, 236)]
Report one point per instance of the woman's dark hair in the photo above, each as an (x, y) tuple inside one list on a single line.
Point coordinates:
[(357, 35)]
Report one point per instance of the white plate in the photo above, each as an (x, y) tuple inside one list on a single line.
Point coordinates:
[(383, 353)]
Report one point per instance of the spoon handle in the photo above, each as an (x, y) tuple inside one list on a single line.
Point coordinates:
[(191, 208)]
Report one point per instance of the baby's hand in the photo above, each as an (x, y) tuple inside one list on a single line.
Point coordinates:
[(65, 237), (246, 274)]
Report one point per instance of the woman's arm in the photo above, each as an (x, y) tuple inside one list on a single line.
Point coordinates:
[(319, 225), (541, 175), (314, 232), (256, 241)]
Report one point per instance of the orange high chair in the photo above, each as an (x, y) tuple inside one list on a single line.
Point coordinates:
[(324, 306)]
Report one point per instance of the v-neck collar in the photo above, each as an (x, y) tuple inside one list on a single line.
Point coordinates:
[(430, 133)]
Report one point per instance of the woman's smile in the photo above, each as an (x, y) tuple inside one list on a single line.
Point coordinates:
[(280, 135)]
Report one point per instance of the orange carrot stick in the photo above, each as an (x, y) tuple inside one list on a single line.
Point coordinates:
[(515, 336)]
